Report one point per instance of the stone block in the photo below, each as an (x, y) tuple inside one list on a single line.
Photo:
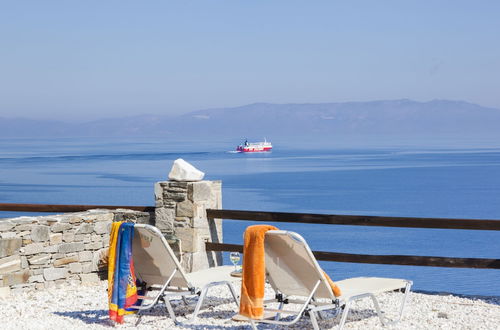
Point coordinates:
[(85, 228), (85, 256), (75, 267), (68, 237), (4, 292), (182, 222), (40, 233), (91, 278), (71, 247), (41, 259), (87, 267), (16, 278), (32, 248), (106, 217), (6, 225), (60, 227), (10, 246), (165, 219), (10, 264), (174, 197), (52, 221), (200, 191), (102, 228), (184, 209), (56, 238), (64, 219), (24, 220), (51, 249), (52, 274), (191, 239), (24, 227), (24, 262), (8, 234), (65, 260), (158, 188), (176, 184), (75, 220), (36, 279), (93, 246), (79, 238)]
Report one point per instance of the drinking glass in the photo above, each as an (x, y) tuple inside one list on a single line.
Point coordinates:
[(235, 258)]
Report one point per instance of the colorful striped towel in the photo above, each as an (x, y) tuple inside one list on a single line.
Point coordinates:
[(122, 289)]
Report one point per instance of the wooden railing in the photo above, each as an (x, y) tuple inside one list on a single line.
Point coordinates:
[(325, 219), (361, 220)]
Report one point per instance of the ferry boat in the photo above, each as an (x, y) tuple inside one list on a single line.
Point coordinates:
[(254, 146)]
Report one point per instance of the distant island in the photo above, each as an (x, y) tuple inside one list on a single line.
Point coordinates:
[(398, 118)]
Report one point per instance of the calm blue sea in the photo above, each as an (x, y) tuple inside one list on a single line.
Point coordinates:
[(390, 181)]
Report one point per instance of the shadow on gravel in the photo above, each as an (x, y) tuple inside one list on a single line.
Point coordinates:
[(100, 317), (97, 316)]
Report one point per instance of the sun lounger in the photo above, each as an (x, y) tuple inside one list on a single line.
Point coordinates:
[(157, 266), (292, 270)]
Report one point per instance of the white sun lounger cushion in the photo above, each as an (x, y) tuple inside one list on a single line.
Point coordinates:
[(358, 285), (206, 276)]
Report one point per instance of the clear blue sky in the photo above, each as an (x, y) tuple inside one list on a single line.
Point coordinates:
[(84, 59)]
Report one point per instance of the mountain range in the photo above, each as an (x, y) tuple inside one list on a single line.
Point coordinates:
[(403, 118)]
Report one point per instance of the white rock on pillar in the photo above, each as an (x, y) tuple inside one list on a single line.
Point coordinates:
[(183, 171)]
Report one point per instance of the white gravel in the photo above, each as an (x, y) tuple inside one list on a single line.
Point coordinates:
[(85, 307)]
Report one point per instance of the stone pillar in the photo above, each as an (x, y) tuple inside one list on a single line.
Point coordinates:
[(181, 215)]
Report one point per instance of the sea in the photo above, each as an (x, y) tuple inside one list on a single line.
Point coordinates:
[(386, 180)]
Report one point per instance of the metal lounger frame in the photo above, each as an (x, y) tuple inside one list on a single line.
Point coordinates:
[(314, 307), (166, 292)]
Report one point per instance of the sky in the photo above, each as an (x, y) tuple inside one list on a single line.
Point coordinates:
[(76, 60)]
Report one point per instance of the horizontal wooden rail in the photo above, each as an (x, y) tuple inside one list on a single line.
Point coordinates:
[(383, 259), (67, 208), (356, 220)]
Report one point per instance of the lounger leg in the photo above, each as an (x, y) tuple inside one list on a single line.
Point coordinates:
[(278, 315), (233, 293), (139, 317), (314, 322), (379, 311), (320, 314), (170, 310), (185, 300), (344, 314), (405, 299), (198, 304)]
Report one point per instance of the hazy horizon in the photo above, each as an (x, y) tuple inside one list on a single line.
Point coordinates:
[(79, 61), (174, 115)]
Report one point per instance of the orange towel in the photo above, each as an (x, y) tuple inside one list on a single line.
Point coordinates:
[(335, 288), (254, 273)]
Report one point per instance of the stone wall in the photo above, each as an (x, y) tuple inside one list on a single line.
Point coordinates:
[(181, 216), (39, 252)]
